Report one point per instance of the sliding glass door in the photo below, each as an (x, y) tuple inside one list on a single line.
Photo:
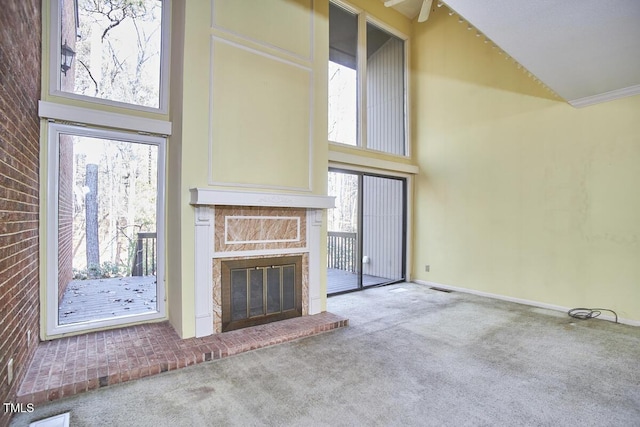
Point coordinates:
[(366, 231), (343, 259), (383, 206)]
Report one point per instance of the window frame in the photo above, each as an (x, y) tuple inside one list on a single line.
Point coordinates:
[(55, 19), (53, 328), (365, 18)]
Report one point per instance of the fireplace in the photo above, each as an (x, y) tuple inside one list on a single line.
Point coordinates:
[(258, 257), (260, 290)]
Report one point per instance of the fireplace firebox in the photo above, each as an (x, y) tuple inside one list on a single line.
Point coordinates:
[(260, 290)]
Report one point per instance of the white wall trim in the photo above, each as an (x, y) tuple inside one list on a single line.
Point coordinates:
[(87, 116), (212, 107), (520, 301), (203, 266), (264, 44), (604, 97), (206, 196), (369, 162)]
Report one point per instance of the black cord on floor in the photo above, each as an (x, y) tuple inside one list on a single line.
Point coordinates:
[(589, 313)]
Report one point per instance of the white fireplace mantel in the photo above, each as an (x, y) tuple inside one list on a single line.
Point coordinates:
[(204, 200), (210, 197)]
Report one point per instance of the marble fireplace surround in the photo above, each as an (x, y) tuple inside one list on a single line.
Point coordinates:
[(242, 224)]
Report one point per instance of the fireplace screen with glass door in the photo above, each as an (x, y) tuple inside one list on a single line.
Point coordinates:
[(262, 290)]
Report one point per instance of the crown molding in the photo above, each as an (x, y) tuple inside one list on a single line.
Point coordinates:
[(607, 96)]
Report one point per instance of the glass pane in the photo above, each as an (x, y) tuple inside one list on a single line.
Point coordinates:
[(238, 294), (382, 230), (385, 92), (273, 290), (107, 253), (288, 287), (342, 251), (257, 292), (343, 101), (117, 45)]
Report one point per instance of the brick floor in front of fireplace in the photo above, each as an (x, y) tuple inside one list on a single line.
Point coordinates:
[(73, 365)]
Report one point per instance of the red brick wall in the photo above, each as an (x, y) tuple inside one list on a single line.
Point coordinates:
[(68, 32), (20, 56)]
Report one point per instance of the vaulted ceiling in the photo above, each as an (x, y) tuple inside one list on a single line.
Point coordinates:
[(586, 51)]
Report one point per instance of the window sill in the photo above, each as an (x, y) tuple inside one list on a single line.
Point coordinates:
[(373, 159), (68, 113)]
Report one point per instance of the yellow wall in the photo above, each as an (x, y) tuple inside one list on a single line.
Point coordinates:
[(252, 113), (521, 194), (249, 114), (174, 170)]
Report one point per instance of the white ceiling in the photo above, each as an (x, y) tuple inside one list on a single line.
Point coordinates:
[(587, 51)]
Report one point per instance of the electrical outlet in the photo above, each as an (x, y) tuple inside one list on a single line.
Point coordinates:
[(10, 371), (427, 267)]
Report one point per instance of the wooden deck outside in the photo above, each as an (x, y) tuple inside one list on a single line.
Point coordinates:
[(341, 280), (86, 300)]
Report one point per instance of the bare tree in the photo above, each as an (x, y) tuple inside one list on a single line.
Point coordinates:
[(91, 209), (118, 38), (118, 49)]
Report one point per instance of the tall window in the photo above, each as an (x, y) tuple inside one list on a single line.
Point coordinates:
[(343, 76), (113, 51), (105, 171), (105, 228), (367, 75)]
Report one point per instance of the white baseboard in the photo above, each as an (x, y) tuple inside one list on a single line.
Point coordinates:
[(520, 301)]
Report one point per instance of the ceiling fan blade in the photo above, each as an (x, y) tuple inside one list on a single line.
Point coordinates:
[(425, 10), (390, 3)]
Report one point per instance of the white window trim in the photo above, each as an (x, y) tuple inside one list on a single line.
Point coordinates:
[(389, 166), (54, 63), (86, 116), (53, 328), (365, 17)]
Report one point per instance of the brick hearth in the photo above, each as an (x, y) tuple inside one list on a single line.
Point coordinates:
[(73, 365)]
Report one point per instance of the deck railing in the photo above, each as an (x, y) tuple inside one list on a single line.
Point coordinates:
[(342, 251), (144, 260)]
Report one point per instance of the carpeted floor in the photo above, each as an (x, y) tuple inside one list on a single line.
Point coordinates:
[(411, 356)]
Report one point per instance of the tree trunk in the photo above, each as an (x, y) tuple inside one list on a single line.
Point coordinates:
[(91, 207)]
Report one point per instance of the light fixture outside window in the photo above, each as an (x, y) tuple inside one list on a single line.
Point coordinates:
[(66, 57)]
